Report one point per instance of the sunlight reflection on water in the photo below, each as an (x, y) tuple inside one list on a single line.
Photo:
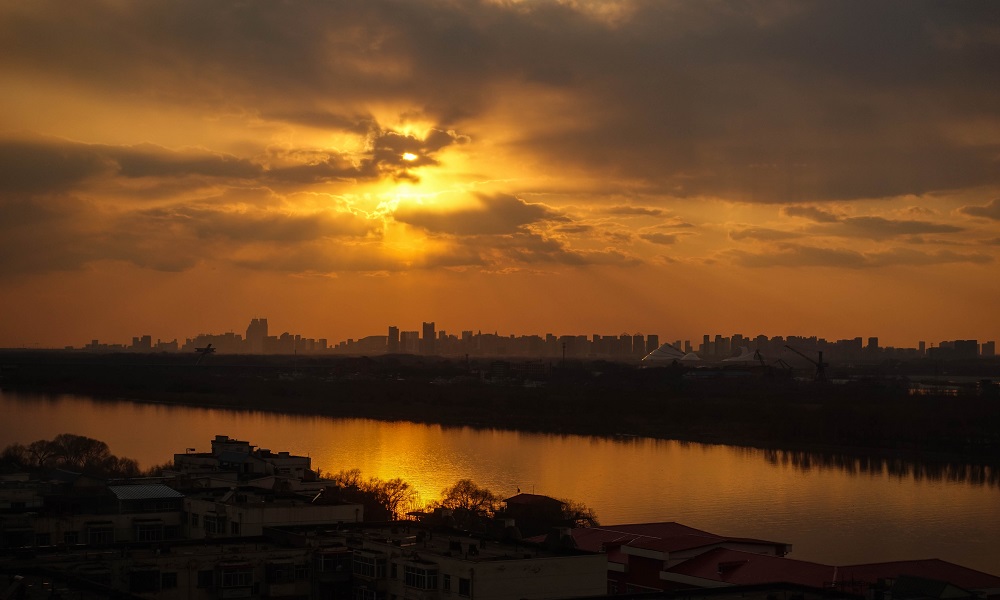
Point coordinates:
[(833, 509)]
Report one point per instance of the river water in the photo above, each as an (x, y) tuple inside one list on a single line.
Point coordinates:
[(835, 512)]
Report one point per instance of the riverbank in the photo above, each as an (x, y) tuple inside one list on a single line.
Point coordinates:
[(742, 408)]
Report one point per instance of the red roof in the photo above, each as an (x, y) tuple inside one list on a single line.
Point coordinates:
[(667, 536), (931, 568), (746, 568)]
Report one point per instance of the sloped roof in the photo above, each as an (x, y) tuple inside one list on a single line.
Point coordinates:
[(532, 500), (665, 353), (931, 568), (594, 539), (746, 568), (144, 492), (746, 356)]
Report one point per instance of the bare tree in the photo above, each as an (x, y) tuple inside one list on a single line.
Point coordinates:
[(466, 495), (579, 514)]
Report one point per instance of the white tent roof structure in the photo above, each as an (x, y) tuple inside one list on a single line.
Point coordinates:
[(746, 356), (664, 355)]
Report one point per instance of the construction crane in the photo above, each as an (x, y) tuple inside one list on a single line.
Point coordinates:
[(203, 352), (820, 365)]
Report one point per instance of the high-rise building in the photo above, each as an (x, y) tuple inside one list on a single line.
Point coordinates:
[(966, 349), (409, 341), (256, 334), (427, 341), (392, 343), (989, 349)]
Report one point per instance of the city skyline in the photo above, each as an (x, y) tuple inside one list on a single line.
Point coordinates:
[(430, 340), (548, 164)]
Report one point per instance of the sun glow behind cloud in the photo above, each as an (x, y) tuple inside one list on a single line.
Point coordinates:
[(506, 143)]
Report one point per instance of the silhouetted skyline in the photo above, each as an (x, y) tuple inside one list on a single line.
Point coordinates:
[(550, 165), (431, 341)]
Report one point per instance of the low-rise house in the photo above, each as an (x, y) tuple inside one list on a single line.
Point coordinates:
[(239, 456), (866, 577), (247, 511), (900, 580), (421, 565), (638, 553)]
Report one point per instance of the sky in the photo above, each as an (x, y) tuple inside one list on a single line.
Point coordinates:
[(527, 167)]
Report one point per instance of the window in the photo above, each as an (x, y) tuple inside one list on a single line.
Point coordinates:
[(215, 524), (168, 581), (420, 578), (236, 577), (393, 571), (280, 573), (362, 593), (71, 537), (194, 519), (148, 532), (100, 534), (301, 572), (368, 565), (446, 582), (43, 539), (464, 587), (334, 562), (234, 528)]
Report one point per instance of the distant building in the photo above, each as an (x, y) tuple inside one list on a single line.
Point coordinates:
[(427, 341), (256, 334), (409, 342), (392, 342)]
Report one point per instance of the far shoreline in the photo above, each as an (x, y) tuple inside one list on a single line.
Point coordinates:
[(869, 421)]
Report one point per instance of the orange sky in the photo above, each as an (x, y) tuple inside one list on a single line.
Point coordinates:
[(177, 167)]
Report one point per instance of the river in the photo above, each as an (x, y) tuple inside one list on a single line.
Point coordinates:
[(831, 511)]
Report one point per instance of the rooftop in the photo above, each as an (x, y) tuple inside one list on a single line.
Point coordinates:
[(422, 542), (144, 492)]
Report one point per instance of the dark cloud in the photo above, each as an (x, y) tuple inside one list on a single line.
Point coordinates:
[(257, 225), (359, 124), (396, 153), (575, 228), (40, 166), (794, 255), (617, 237), (666, 239), (878, 228), (60, 233), (777, 102), (499, 214), (811, 212), (634, 210), (990, 211), (43, 165), (762, 233)]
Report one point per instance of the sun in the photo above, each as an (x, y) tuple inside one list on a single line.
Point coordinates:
[(409, 156)]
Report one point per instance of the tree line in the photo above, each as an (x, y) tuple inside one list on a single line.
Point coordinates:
[(468, 502), (388, 499), (76, 453)]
